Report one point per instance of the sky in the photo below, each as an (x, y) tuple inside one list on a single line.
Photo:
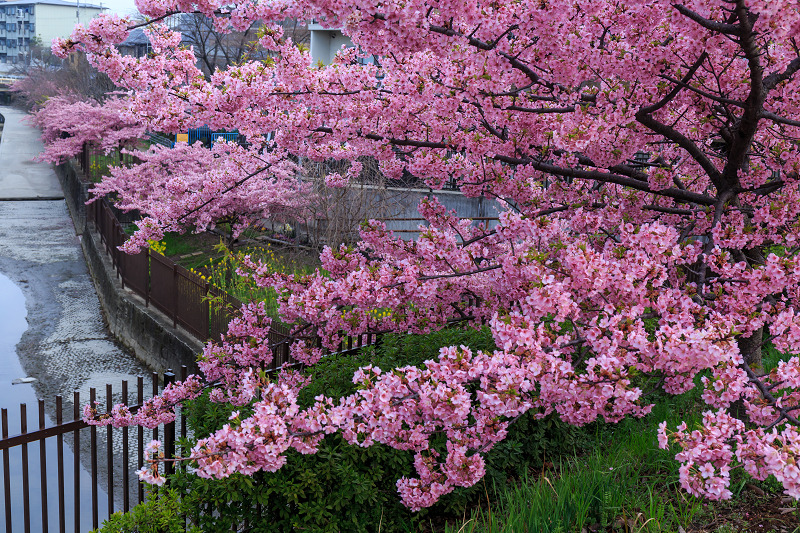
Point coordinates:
[(121, 7)]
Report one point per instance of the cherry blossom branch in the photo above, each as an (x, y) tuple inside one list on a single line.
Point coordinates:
[(779, 120), (714, 26), (679, 85), (773, 402)]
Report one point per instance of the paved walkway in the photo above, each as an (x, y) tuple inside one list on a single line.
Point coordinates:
[(20, 177)]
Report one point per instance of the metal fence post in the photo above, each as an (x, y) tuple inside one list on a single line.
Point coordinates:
[(169, 432), (6, 471), (207, 328), (149, 277), (175, 295)]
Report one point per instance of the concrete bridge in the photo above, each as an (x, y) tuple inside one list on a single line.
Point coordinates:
[(6, 81)]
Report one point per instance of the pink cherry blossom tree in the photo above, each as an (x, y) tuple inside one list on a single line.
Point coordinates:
[(646, 154), (68, 122), (196, 187)]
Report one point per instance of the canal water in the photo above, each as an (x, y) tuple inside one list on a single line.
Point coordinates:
[(14, 391), (53, 331)]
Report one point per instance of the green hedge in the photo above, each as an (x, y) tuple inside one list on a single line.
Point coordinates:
[(346, 488)]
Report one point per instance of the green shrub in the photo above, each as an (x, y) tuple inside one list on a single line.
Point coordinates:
[(345, 488), (161, 513), (341, 488)]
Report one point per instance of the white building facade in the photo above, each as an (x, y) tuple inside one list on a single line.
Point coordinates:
[(21, 22), (326, 42)]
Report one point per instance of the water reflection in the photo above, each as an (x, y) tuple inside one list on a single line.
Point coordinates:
[(12, 326)]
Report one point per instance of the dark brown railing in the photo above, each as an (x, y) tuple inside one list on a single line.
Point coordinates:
[(50, 501), (95, 162), (179, 293)]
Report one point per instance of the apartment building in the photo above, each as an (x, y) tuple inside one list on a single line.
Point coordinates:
[(22, 22)]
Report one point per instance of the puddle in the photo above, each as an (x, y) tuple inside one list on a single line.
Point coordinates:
[(12, 325)]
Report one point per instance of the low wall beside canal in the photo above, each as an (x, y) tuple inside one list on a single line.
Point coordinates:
[(141, 329)]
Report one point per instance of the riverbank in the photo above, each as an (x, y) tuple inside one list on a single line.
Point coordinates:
[(142, 329)]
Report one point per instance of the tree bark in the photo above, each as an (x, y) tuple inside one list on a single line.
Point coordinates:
[(750, 348)]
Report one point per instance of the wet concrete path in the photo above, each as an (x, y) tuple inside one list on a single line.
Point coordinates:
[(59, 337), (20, 176), (66, 345)]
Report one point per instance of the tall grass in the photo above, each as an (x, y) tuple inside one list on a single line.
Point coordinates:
[(624, 484), (221, 272)]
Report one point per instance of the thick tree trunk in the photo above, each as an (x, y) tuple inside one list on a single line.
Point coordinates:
[(750, 348)]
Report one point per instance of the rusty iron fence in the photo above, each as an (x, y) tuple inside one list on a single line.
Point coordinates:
[(183, 296), (180, 294), (77, 473), (201, 309)]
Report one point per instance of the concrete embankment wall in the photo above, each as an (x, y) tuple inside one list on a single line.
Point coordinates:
[(341, 215), (141, 329)]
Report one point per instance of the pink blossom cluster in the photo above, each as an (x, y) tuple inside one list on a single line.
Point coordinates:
[(706, 455), (149, 473), (643, 157), (68, 124), (194, 187), (153, 412), (709, 452)]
